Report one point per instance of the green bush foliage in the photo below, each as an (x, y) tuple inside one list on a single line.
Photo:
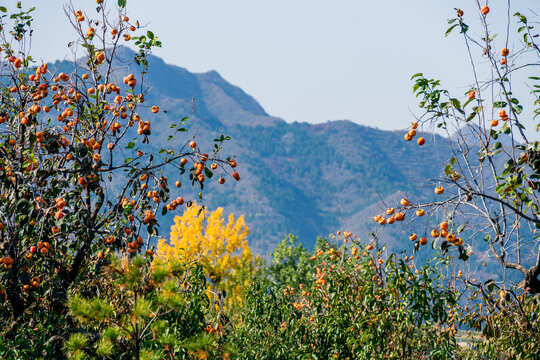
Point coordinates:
[(141, 311), (355, 305)]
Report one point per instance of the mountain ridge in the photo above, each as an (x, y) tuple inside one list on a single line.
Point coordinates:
[(296, 177), (300, 178)]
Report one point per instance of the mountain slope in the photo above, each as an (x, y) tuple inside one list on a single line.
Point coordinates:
[(317, 178), (299, 178)]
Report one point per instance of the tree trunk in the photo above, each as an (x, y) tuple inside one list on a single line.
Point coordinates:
[(13, 292), (15, 302)]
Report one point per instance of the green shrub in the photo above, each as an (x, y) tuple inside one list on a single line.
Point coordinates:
[(142, 310), (354, 305)]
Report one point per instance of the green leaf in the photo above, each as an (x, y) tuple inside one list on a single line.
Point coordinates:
[(444, 247), (482, 154), (416, 75), (499, 104), (518, 109), (463, 254), (478, 109), (150, 35), (122, 3), (3, 9), (450, 30), (490, 285), (457, 105)]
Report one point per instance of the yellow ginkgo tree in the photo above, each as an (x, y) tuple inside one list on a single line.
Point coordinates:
[(220, 245)]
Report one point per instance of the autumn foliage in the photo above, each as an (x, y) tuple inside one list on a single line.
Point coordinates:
[(219, 245)]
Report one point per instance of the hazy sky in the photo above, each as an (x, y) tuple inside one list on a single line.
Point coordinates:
[(303, 60)]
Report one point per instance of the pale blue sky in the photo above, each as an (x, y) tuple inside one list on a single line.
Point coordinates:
[(303, 60)]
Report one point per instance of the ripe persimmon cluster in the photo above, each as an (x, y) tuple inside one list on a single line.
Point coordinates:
[(412, 133)]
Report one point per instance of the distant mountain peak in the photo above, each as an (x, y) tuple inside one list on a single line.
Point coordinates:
[(216, 97), (218, 101)]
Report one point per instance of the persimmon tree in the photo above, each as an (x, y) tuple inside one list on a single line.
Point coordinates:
[(489, 187), (354, 302), (78, 174)]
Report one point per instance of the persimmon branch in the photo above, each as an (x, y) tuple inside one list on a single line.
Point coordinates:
[(504, 203)]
